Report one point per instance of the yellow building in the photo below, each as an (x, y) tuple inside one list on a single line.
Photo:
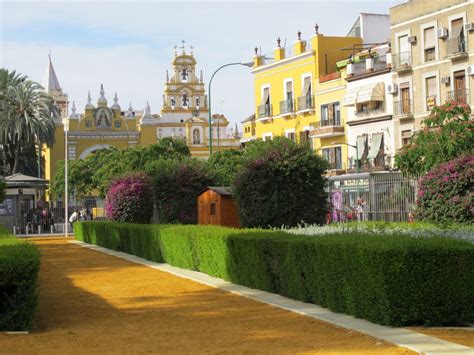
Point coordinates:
[(184, 115), (291, 101)]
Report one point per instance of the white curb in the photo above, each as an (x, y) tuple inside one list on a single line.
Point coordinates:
[(403, 337)]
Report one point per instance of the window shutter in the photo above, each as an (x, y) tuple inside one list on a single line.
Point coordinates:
[(430, 38), (431, 86), (289, 87), (456, 27), (306, 86), (266, 96)]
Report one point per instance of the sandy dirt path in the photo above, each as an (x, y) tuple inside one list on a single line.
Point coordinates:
[(95, 303)]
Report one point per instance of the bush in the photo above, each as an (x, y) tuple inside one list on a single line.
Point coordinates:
[(129, 199), (391, 279), (176, 184), (446, 193), (282, 185), (19, 267)]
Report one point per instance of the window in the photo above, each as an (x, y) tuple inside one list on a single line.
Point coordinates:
[(185, 100), (264, 110), (184, 74), (405, 103), (331, 114), (404, 49), (430, 44), (291, 136), (406, 137), (87, 123), (333, 156), (118, 124), (430, 92), (304, 137), (213, 209), (198, 101), (173, 102), (196, 136)]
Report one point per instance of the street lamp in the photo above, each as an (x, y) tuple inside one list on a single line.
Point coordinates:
[(249, 64), (357, 152), (66, 197)]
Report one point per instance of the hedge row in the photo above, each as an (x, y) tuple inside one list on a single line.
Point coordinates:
[(393, 280), (19, 266)]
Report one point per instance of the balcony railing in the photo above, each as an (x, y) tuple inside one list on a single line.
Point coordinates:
[(403, 108), (401, 61), (265, 111), (306, 102), (456, 47), (327, 128), (460, 96), (380, 62), (430, 102), (286, 106)]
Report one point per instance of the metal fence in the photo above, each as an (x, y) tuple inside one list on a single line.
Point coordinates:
[(375, 196), (49, 218)]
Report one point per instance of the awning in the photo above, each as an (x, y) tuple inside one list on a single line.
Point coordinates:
[(350, 97), (372, 92), (361, 140), (266, 94), (375, 147)]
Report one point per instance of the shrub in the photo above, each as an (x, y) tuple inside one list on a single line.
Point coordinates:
[(129, 199), (390, 279), (446, 193), (224, 166), (282, 185), (176, 184), (19, 266)]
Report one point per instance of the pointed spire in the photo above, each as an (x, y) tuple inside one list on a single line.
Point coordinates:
[(73, 111), (50, 81), (130, 113), (167, 76), (236, 131), (201, 77), (115, 106), (89, 100), (147, 117), (102, 100)]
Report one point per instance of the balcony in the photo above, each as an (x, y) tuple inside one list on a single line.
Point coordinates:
[(287, 107), (460, 96), (401, 62), (403, 109), (265, 113), (306, 103), (430, 102), (327, 128), (456, 48)]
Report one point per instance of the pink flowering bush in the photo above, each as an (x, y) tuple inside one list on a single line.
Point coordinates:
[(129, 199), (446, 193)]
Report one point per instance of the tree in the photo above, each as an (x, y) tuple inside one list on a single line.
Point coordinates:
[(27, 115), (225, 165), (448, 133), (282, 183)]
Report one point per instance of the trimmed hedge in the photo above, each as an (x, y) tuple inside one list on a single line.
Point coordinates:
[(19, 266), (393, 280)]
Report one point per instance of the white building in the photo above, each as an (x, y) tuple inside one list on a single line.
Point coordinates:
[(373, 28)]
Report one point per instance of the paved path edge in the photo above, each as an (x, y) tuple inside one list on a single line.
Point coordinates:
[(421, 343)]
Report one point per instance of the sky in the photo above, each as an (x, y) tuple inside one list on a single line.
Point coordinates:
[(129, 45)]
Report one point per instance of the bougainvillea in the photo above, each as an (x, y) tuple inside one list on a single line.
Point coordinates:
[(447, 134), (446, 193), (282, 185), (129, 199)]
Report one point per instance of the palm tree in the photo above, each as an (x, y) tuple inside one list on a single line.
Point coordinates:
[(27, 115)]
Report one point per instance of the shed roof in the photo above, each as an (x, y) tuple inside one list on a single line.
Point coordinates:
[(221, 190), (19, 179)]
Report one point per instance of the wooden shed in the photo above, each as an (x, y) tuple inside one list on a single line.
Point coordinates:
[(216, 206)]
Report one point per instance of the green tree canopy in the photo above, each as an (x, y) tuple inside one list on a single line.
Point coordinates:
[(447, 134)]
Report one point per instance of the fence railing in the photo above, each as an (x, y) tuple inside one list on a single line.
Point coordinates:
[(401, 60), (403, 107), (264, 111), (461, 96), (455, 45), (286, 106), (305, 102)]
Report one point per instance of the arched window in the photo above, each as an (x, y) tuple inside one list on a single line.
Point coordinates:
[(185, 100), (173, 102), (196, 136), (184, 74)]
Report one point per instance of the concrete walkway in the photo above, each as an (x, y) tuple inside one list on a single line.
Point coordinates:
[(415, 341)]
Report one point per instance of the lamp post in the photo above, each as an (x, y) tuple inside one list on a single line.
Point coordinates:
[(249, 64), (66, 204), (357, 153)]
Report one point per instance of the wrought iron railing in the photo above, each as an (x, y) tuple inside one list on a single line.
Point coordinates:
[(287, 106), (401, 60), (461, 96), (403, 107), (328, 123), (264, 111), (305, 102)]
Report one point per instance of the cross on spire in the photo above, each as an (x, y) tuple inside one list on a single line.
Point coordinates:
[(182, 47)]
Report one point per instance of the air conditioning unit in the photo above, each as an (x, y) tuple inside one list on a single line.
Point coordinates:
[(469, 27), (412, 39), (446, 80), (470, 69), (392, 89), (442, 32)]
